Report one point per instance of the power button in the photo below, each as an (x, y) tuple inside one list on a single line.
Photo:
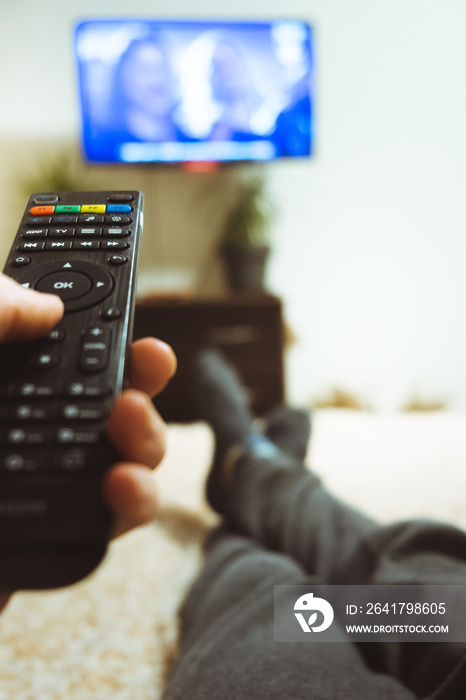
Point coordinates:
[(46, 199)]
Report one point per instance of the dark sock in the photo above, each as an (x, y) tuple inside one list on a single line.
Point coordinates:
[(224, 405), (289, 429)]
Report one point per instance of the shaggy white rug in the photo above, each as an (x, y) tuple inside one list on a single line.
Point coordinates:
[(113, 636)]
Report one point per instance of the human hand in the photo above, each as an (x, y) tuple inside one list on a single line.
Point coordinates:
[(134, 426)]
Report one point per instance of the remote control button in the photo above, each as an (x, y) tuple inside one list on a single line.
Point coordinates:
[(15, 462), (72, 461), (18, 436), (118, 208), (68, 436), (85, 244), (68, 285), (117, 260), (114, 245), (31, 390), (58, 245), (12, 462), (42, 211), (110, 314), (90, 219), (35, 233), (64, 219), (93, 208), (92, 285), (61, 232), (46, 199), (32, 246), (87, 391), (95, 333), (95, 350), (117, 232), (39, 220), (21, 260), (31, 411), (117, 219), (67, 209), (56, 335), (120, 197), (88, 232), (86, 413), (45, 361)]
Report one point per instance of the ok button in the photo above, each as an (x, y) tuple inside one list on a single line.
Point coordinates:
[(65, 284)]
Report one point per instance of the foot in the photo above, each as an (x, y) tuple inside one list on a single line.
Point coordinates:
[(289, 429), (224, 405)]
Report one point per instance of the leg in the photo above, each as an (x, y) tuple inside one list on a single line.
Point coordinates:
[(228, 651), (264, 491), (269, 495)]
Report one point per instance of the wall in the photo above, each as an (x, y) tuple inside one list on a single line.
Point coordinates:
[(370, 245)]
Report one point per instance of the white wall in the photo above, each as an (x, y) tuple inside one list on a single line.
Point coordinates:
[(370, 245)]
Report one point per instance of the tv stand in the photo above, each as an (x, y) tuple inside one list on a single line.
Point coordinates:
[(247, 329)]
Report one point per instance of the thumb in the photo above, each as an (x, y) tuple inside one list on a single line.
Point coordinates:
[(24, 313)]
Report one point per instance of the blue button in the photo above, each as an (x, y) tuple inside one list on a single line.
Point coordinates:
[(114, 208)]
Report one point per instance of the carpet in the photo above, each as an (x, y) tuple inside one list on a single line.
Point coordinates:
[(114, 635)]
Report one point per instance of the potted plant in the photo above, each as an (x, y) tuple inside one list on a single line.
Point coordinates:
[(245, 245)]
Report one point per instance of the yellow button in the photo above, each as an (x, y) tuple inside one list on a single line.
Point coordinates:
[(93, 208)]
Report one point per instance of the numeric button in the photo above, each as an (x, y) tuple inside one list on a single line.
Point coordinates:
[(72, 461), (32, 411), (87, 391), (67, 436)]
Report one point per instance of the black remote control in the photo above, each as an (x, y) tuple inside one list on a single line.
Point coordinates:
[(56, 393)]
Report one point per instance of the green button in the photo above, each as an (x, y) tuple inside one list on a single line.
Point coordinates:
[(68, 209)]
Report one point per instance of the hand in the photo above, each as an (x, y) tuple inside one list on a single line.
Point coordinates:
[(134, 426)]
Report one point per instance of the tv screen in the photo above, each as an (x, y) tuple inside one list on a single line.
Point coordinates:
[(169, 91)]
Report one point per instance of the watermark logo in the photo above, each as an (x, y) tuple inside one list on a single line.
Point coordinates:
[(309, 604)]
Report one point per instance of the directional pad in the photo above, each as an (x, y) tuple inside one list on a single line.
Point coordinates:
[(67, 284), (79, 284)]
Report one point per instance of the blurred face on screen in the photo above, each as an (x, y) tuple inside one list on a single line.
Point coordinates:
[(230, 80), (145, 80)]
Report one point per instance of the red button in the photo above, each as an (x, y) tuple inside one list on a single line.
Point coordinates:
[(38, 211)]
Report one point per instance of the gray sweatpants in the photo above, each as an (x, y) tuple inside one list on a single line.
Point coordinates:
[(285, 528)]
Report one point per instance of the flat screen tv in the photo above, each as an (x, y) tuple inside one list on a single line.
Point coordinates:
[(170, 91)]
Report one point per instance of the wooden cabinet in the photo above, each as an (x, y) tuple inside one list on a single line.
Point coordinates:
[(247, 329)]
